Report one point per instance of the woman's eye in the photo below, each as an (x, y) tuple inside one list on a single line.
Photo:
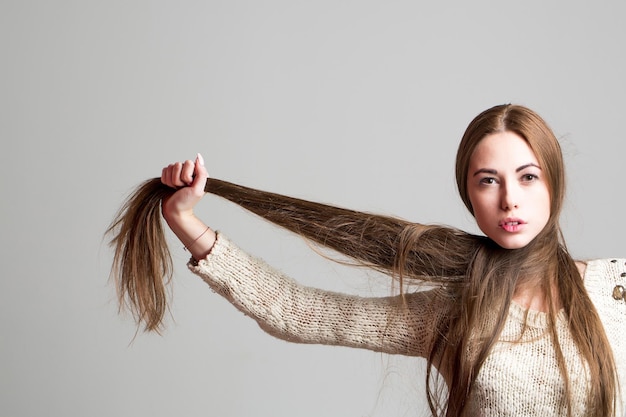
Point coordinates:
[(529, 177), (488, 180)]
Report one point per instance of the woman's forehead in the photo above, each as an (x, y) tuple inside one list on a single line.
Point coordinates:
[(503, 149)]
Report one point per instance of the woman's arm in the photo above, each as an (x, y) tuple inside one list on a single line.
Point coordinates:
[(300, 314), (281, 306)]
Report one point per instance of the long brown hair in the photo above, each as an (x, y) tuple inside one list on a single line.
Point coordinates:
[(477, 274)]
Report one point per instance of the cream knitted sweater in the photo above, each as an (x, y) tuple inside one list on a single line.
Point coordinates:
[(518, 379)]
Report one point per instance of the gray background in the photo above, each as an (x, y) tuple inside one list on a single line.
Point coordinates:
[(356, 103)]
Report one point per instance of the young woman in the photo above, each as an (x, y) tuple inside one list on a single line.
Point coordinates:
[(511, 315)]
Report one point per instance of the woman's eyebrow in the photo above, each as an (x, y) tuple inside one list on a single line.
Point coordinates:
[(486, 171), (495, 172), (523, 167)]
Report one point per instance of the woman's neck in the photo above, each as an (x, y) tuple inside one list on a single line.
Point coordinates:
[(531, 293)]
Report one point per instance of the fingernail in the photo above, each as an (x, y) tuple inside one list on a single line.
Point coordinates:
[(201, 159)]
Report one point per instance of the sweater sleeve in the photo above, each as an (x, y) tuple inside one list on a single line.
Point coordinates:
[(296, 313)]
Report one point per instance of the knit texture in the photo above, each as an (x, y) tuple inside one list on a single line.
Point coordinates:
[(517, 379)]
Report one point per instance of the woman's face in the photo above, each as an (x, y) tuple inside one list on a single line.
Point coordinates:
[(507, 190)]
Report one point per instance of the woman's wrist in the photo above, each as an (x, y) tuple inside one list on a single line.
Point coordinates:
[(197, 238), (172, 215)]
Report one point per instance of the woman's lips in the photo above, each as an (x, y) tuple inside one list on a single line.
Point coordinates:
[(512, 225)]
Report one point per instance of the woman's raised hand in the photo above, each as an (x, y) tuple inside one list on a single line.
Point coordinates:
[(189, 178)]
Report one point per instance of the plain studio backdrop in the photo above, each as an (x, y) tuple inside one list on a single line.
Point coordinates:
[(355, 103)]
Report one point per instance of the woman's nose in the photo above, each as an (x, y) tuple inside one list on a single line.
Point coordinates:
[(510, 197)]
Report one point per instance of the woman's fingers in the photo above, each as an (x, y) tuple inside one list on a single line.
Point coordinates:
[(177, 174), (200, 175), (171, 175), (187, 171), (166, 176)]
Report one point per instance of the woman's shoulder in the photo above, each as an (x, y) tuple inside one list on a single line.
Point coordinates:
[(606, 267), (605, 280)]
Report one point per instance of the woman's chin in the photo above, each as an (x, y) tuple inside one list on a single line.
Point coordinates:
[(513, 242)]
